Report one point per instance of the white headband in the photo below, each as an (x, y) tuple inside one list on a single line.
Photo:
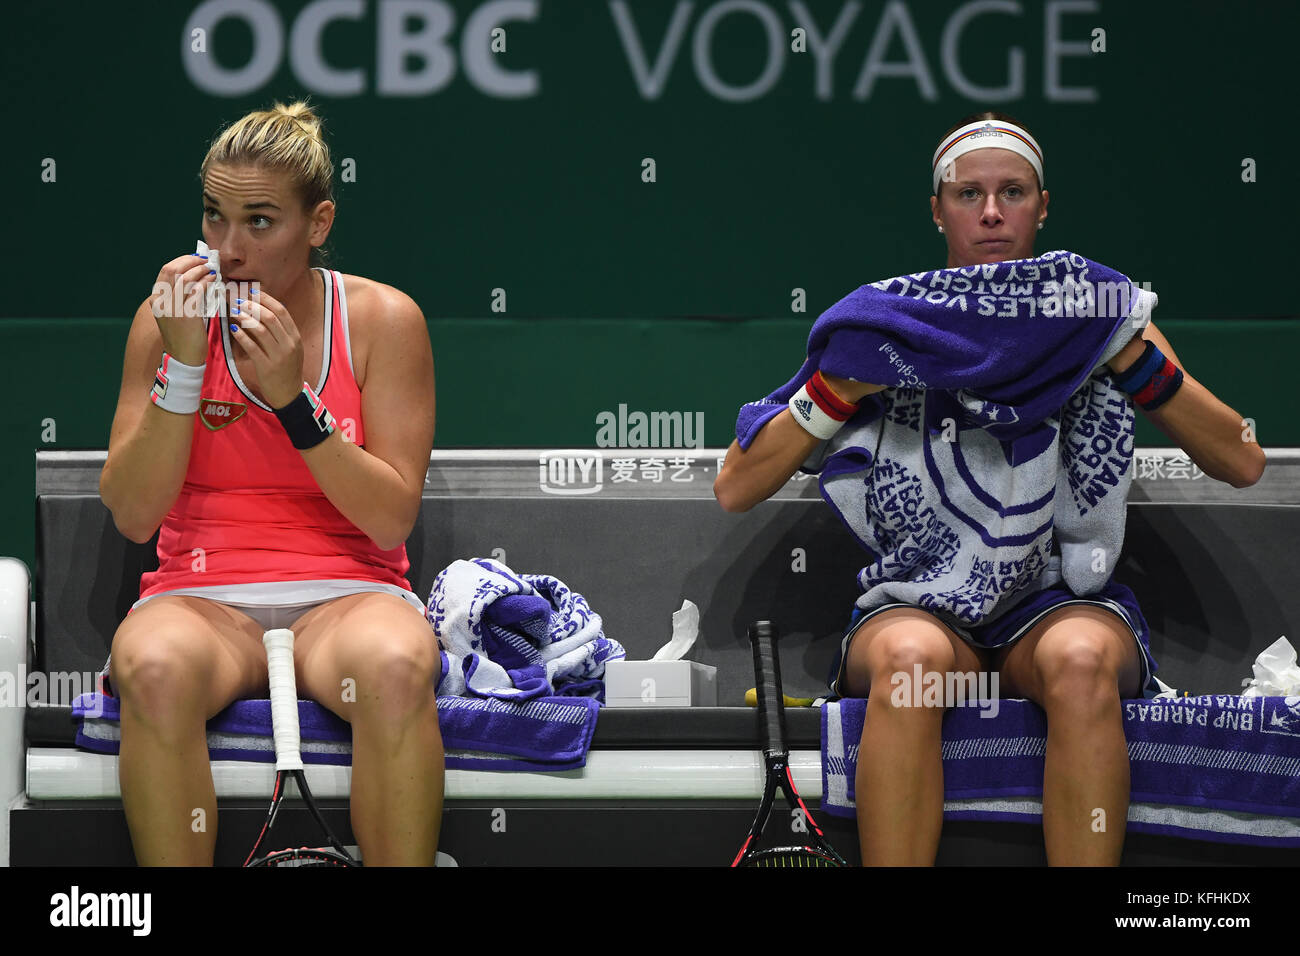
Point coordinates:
[(983, 135)]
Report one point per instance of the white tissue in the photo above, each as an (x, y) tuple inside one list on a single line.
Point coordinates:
[(216, 298), (214, 258), (1276, 673), (686, 628)]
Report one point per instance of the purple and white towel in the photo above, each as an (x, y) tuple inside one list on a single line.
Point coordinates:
[(516, 636), (1011, 355), (477, 733), (1215, 767)]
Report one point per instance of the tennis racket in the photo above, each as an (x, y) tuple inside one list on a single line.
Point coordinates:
[(288, 764), (771, 715)]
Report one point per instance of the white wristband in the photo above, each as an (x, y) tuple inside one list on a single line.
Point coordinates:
[(176, 386), (808, 412)]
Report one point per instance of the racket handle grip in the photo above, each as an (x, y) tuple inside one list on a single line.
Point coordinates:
[(767, 669), (284, 697)]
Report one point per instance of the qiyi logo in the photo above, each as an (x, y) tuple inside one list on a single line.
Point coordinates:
[(572, 474)]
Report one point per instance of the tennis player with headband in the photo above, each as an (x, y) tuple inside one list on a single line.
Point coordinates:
[(1078, 661), (284, 453)]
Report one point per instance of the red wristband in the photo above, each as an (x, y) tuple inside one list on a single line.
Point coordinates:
[(820, 391)]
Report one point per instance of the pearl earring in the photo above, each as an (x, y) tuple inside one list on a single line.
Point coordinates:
[(1040, 225), (941, 228)]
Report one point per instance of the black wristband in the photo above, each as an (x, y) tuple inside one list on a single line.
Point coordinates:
[(306, 419), (1122, 377), (1152, 380)]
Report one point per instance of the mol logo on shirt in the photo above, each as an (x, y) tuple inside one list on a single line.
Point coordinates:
[(571, 474), (217, 414)]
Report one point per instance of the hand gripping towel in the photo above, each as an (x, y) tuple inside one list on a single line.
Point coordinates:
[(1000, 430)]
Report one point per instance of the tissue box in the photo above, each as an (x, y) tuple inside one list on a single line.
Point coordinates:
[(660, 684)]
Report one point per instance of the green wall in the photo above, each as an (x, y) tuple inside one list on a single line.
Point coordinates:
[(817, 180), (521, 170)]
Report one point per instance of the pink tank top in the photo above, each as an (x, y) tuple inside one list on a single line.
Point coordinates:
[(250, 510)]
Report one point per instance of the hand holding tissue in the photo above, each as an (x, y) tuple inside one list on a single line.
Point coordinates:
[(214, 257), (215, 303)]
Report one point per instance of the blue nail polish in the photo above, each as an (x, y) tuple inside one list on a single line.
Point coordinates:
[(253, 291), (198, 256), (212, 272), (236, 311), (234, 328), (239, 300)]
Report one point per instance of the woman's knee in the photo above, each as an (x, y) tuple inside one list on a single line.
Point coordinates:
[(156, 674), (179, 661), (1076, 669), (397, 673), (899, 646), (902, 652)]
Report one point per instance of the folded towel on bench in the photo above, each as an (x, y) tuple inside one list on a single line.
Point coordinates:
[(545, 733), (516, 636), (1215, 767)]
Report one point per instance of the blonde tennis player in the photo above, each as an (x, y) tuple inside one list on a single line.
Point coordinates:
[(282, 451)]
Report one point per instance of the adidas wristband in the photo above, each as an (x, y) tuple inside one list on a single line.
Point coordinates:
[(818, 409), (176, 386), (306, 419)]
